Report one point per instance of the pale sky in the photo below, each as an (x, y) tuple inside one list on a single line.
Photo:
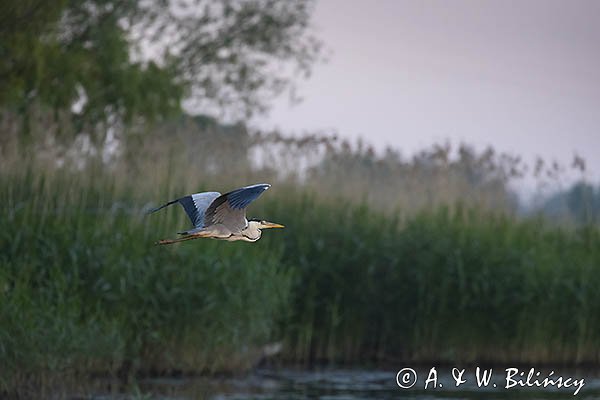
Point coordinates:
[(523, 76)]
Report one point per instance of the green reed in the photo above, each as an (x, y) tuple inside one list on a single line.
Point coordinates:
[(83, 290), (455, 285)]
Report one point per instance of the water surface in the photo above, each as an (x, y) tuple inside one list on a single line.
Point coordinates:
[(355, 384)]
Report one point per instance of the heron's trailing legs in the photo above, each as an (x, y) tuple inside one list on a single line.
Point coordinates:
[(183, 239)]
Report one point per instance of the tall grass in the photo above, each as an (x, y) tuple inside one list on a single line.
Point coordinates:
[(358, 274), (83, 289), (444, 286)]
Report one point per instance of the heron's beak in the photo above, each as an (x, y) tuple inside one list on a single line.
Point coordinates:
[(268, 225)]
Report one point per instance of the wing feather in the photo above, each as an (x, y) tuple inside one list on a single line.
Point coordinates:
[(229, 209), (195, 206), (201, 202)]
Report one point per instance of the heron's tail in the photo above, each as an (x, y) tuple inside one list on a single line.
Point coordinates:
[(161, 207)]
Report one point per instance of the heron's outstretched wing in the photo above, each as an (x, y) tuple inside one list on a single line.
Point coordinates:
[(195, 206), (229, 209)]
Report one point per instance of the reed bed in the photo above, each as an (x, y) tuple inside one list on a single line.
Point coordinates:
[(83, 290), (452, 286), (360, 275)]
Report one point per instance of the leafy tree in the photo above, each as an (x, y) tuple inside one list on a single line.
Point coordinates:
[(580, 203), (582, 200), (235, 54), (114, 60)]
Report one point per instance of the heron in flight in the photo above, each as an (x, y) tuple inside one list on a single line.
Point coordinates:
[(221, 216)]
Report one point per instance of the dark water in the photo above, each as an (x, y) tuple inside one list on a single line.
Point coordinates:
[(355, 384)]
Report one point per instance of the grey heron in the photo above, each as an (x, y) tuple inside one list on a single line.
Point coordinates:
[(221, 216)]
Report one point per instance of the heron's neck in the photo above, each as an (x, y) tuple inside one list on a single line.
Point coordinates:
[(252, 232)]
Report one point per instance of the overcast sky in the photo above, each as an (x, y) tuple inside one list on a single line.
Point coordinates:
[(523, 76)]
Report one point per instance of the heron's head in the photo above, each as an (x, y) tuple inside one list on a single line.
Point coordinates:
[(262, 224)]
